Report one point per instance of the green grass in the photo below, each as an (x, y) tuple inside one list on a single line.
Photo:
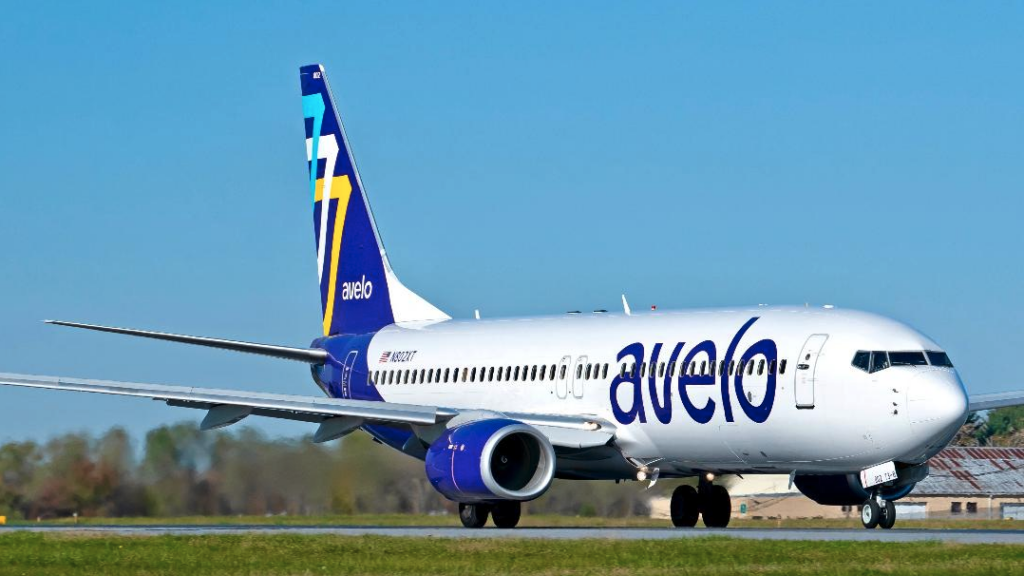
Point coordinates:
[(527, 521), (44, 554)]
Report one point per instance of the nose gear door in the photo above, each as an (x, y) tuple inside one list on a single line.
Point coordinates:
[(806, 367)]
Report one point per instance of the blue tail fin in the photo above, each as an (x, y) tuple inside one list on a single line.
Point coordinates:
[(358, 290)]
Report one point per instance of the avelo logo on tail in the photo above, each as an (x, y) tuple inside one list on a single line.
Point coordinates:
[(360, 289)]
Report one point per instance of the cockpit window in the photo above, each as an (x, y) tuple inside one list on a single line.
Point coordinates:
[(879, 361), (939, 359), (862, 360), (907, 359)]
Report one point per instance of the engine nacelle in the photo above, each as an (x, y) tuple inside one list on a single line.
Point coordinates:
[(844, 489), (492, 459)]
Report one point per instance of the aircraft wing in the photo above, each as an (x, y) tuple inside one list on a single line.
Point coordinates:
[(998, 400), (336, 416)]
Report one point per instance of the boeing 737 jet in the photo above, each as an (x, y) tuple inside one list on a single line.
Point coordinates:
[(850, 404)]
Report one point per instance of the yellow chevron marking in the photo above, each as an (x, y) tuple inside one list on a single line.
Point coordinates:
[(336, 184), (341, 188)]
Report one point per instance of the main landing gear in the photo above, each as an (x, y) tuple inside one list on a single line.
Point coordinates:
[(505, 514), (878, 512), (708, 500)]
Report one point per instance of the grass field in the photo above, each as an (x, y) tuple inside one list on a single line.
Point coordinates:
[(527, 521), (39, 554)]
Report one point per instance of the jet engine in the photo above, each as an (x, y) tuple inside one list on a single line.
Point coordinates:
[(492, 459)]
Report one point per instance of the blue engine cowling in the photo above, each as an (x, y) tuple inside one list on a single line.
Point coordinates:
[(843, 489), (493, 459)]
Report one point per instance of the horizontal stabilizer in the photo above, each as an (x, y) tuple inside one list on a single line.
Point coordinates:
[(308, 355)]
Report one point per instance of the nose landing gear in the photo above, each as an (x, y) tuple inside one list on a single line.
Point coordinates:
[(878, 512), (709, 501)]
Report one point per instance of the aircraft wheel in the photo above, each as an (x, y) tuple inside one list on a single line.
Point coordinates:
[(717, 508), (506, 514), (871, 513), (684, 507), (473, 515), (888, 518)]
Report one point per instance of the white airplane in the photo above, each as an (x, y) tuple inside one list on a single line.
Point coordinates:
[(851, 404)]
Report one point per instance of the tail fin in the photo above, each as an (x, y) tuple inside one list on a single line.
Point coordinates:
[(358, 290)]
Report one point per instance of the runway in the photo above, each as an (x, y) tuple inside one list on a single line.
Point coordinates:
[(822, 534)]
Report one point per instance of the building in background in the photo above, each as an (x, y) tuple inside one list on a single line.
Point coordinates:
[(964, 483)]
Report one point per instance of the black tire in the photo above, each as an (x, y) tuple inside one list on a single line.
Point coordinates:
[(888, 518), (684, 507), (717, 510), (506, 514), (473, 515), (870, 514)]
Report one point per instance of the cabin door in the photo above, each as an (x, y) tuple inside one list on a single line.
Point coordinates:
[(346, 374), (579, 376), (562, 377), (806, 366)]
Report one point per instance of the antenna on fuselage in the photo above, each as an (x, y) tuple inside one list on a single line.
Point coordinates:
[(625, 306)]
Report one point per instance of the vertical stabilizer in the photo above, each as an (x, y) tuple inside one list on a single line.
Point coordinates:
[(359, 292)]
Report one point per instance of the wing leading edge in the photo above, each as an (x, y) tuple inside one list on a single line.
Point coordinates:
[(336, 416), (980, 402)]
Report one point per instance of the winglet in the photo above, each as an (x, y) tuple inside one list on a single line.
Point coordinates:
[(625, 306)]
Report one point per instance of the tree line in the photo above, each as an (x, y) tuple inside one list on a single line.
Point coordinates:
[(182, 471)]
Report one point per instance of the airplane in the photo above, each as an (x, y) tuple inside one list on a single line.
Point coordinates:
[(850, 404)]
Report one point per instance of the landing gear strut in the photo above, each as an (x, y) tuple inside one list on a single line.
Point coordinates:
[(878, 512), (709, 501)]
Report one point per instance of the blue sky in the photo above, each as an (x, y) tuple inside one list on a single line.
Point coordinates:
[(521, 158)]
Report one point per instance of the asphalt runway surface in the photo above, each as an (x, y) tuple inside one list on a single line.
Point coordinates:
[(808, 534)]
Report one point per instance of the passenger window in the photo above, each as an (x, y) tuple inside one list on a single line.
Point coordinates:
[(862, 360), (732, 367), (750, 367), (771, 367), (661, 369), (879, 361), (472, 375), (693, 368), (413, 380), (579, 371), (490, 374), (711, 368), (643, 369), (622, 370), (782, 366), (516, 374), (671, 369), (533, 373), (525, 370), (632, 369), (587, 377), (939, 359), (760, 367), (561, 373), (604, 372), (499, 374), (703, 367), (551, 373)]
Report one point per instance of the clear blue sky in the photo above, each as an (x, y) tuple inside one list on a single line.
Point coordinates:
[(521, 158)]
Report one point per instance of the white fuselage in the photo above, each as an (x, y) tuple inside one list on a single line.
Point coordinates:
[(826, 415)]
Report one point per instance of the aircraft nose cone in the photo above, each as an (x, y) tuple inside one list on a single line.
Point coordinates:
[(937, 403)]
